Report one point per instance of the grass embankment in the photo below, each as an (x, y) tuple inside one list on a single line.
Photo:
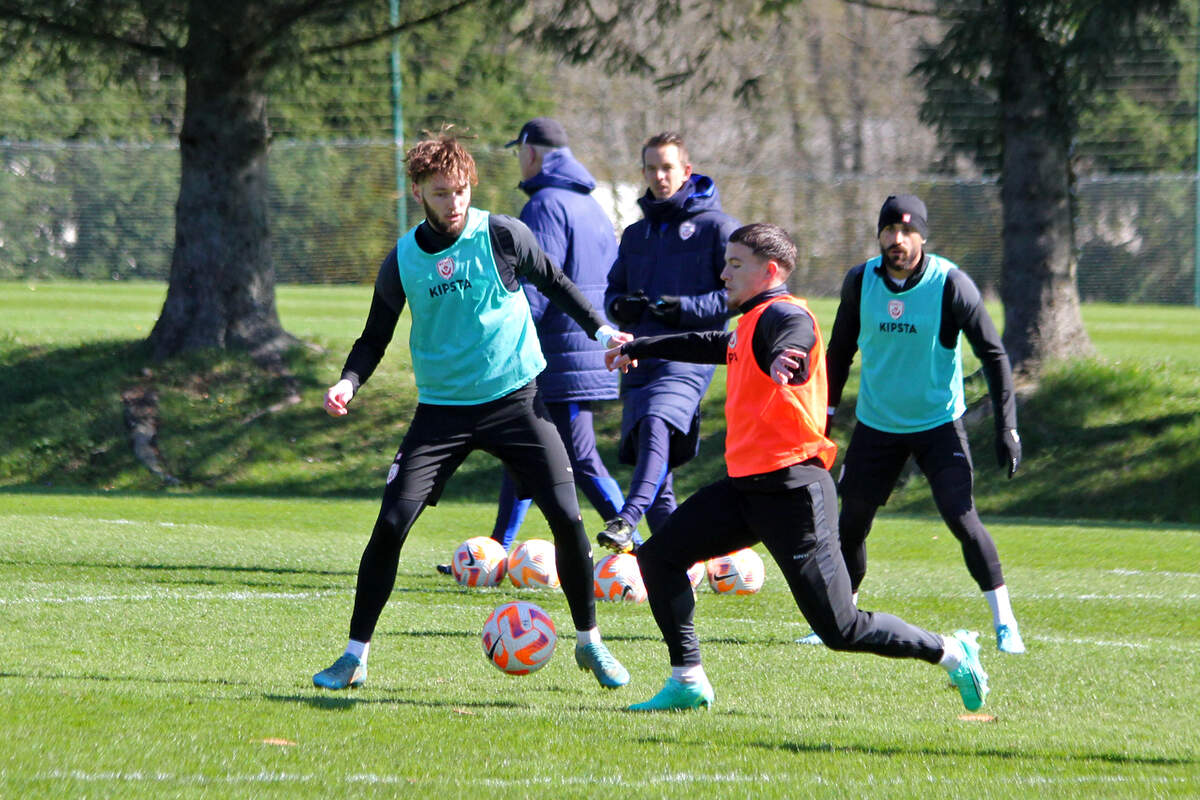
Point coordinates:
[(1114, 438)]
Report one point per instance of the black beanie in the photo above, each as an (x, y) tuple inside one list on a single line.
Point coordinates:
[(907, 209)]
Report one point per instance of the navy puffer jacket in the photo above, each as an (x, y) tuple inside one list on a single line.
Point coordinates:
[(676, 250), (578, 237)]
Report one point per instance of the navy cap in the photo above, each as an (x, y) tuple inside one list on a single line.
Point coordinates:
[(906, 209), (543, 131)]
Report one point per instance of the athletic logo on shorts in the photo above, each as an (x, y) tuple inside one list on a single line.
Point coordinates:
[(445, 267), (896, 308), (394, 470), (686, 230)]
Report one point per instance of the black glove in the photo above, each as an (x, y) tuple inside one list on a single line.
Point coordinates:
[(1008, 450), (628, 310), (666, 310)]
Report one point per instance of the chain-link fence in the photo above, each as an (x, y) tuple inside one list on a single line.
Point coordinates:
[(107, 211)]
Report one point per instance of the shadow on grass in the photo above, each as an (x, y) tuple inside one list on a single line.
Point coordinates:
[(325, 702), (950, 752), (234, 570)]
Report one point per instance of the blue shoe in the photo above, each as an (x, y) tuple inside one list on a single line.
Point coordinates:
[(1008, 640), (347, 671), (678, 696), (969, 676), (608, 670), (811, 639)]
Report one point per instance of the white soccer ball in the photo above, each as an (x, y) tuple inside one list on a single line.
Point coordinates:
[(697, 573), (519, 637), (740, 572), (618, 577), (479, 561), (532, 566)]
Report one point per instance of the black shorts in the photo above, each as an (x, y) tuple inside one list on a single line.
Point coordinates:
[(874, 458), (515, 428)]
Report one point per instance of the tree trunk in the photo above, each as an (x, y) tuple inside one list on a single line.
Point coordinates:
[(222, 284), (1042, 320)]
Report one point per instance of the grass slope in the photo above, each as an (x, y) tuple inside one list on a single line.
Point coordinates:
[(1114, 438), (163, 647)]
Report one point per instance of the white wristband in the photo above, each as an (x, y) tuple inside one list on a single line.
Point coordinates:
[(604, 333)]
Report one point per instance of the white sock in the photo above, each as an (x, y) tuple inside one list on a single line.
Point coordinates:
[(692, 674), (1002, 613), (588, 637), (953, 654), (358, 649)]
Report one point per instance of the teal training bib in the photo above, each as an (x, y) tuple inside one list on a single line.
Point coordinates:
[(910, 382), (472, 340)]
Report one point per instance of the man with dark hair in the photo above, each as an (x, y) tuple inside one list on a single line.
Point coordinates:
[(905, 310), (778, 490), (666, 279), (475, 355)]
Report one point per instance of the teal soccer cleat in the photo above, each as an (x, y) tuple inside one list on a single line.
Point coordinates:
[(811, 639), (347, 671), (608, 670), (969, 676), (1008, 639), (678, 696)]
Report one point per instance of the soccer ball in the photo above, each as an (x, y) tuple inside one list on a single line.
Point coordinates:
[(740, 572), (697, 573), (519, 637), (618, 577), (531, 565), (479, 561)]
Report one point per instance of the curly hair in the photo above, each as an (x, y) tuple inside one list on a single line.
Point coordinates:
[(442, 154)]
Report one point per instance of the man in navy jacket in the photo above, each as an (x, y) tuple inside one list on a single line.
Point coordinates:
[(666, 279), (578, 236)]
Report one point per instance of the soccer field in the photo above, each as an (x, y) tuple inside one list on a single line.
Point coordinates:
[(164, 647)]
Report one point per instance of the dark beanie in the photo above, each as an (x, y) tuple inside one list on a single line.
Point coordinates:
[(906, 209)]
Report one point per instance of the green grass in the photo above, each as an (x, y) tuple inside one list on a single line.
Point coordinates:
[(163, 647)]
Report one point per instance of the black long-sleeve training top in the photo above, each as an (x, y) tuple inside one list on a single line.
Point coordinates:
[(517, 256), (962, 311)]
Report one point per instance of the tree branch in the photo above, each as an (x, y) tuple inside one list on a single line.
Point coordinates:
[(84, 33), (910, 11), (432, 16)]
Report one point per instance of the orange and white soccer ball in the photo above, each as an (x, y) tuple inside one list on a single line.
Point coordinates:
[(740, 572), (697, 573), (479, 561), (531, 565), (519, 637), (618, 577)]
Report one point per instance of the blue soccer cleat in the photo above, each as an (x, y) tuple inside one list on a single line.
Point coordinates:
[(1008, 639), (811, 639), (968, 676), (608, 670), (678, 696), (347, 671)]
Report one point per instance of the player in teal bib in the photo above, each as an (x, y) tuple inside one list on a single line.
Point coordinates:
[(475, 355), (472, 338), (910, 380), (906, 311)]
